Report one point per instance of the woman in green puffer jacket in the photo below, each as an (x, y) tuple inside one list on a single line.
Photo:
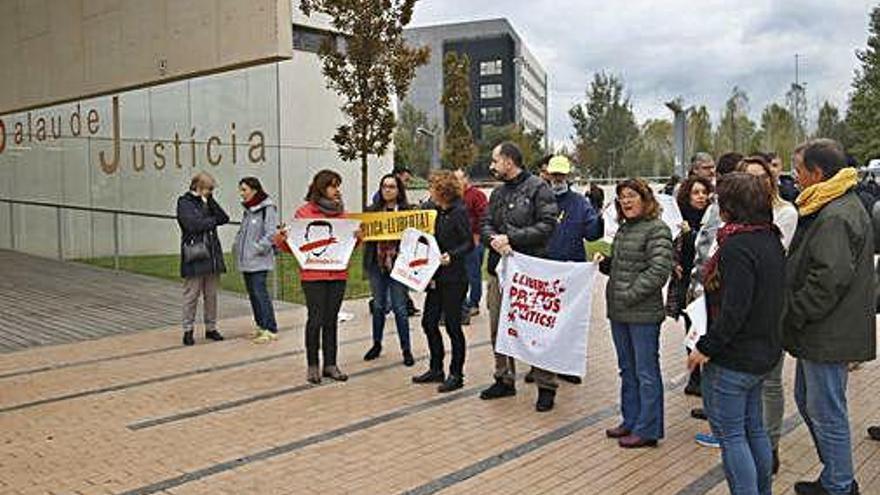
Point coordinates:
[(640, 264)]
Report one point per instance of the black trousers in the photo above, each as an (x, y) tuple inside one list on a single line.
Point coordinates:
[(323, 301), (445, 300)]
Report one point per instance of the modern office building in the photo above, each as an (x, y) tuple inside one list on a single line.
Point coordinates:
[(508, 84), (100, 175)]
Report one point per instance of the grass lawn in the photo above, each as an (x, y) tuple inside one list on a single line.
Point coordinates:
[(168, 267)]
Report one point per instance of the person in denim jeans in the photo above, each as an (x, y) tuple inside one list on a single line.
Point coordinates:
[(379, 260), (743, 283), (255, 256), (829, 317), (639, 266)]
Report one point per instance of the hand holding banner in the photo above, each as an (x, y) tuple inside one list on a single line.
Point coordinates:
[(417, 260), (545, 312), (322, 243)]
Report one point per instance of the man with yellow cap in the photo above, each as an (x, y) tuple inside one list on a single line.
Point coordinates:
[(577, 221)]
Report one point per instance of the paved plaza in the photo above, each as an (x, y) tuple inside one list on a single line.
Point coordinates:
[(136, 413)]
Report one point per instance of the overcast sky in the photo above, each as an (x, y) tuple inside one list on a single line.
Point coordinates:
[(698, 49)]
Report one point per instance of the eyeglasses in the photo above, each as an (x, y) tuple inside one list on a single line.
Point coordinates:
[(389, 187)]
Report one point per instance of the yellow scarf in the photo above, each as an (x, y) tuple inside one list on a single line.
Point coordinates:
[(813, 198)]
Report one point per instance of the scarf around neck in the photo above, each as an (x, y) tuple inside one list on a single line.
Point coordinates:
[(329, 207), (258, 198), (815, 197)]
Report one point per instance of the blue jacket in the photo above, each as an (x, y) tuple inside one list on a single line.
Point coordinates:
[(577, 221)]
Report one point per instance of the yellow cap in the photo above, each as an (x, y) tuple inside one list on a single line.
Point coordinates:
[(559, 165)]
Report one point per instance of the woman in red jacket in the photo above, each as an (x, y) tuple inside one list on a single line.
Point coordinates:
[(323, 289)]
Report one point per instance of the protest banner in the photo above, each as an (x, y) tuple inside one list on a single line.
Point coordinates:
[(322, 243), (696, 312), (417, 259), (390, 225), (545, 312)]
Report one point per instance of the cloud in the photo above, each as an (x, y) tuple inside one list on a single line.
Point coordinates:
[(697, 49)]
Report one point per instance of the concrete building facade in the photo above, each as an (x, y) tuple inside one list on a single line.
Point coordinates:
[(508, 84)]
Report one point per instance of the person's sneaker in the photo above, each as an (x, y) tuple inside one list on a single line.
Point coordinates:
[(430, 376), (374, 352), (546, 397), (874, 433), (530, 376), (188, 338), (264, 338), (334, 373), (452, 383), (408, 359), (255, 332), (707, 440), (214, 335), (699, 413), (573, 379), (498, 390)]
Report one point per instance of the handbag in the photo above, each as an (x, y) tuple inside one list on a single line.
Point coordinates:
[(196, 249)]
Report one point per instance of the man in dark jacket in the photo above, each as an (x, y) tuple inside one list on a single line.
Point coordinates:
[(201, 257), (521, 217), (829, 318)]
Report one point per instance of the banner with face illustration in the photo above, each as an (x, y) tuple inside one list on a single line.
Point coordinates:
[(417, 260), (322, 243), (545, 312)]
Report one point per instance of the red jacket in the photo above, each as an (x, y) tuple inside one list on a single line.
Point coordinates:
[(311, 210), (476, 202)]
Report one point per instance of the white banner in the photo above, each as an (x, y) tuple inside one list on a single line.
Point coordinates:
[(671, 216), (417, 259), (699, 317), (545, 312), (322, 243)]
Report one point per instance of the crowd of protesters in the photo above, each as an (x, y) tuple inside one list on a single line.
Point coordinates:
[(785, 267)]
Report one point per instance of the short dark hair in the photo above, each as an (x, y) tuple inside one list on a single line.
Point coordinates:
[(322, 180), (401, 169), (402, 202), (684, 191), (253, 183), (511, 151), (826, 155), (727, 162), (745, 199)]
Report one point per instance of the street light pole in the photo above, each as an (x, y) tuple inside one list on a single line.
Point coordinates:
[(435, 161), (680, 125)]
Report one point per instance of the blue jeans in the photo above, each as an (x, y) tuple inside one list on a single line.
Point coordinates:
[(641, 385), (820, 394), (474, 266), (733, 402), (387, 290), (261, 303)]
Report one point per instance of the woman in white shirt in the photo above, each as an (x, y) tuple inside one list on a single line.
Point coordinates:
[(785, 216)]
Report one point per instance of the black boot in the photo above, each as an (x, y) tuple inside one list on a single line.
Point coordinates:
[(573, 379), (816, 488), (430, 376), (545, 399), (454, 382), (214, 335), (374, 352), (874, 433), (188, 338), (498, 390), (408, 359)]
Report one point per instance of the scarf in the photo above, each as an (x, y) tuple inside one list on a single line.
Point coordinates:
[(386, 251), (257, 199), (815, 197), (692, 216), (329, 207), (711, 277)]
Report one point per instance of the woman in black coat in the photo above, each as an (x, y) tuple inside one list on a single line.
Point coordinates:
[(449, 286), (201, 256)]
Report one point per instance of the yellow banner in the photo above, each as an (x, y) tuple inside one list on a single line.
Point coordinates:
[(389, 225)]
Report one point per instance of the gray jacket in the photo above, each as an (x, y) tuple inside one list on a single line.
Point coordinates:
[(253, 242)]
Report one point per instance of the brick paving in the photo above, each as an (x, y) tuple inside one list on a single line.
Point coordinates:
[(44, 302), (136, 413)]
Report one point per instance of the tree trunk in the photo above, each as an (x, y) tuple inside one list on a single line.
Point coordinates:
[(365, 179)]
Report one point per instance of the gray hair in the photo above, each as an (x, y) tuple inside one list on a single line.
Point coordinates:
[(701, 157)]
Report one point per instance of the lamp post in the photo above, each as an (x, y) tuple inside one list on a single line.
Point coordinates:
[(680, 126), (435, 161)]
